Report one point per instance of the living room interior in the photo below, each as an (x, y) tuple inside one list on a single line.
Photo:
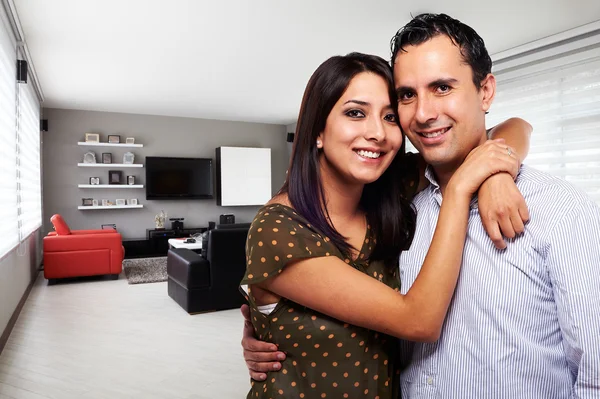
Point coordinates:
[(116, 283)]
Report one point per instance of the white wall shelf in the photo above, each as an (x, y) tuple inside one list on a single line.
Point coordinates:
[(100, 207), (110, 186), (111, 165), (89, 144)]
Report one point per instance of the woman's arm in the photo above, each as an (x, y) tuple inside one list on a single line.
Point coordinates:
[(329, 286), (502, 208), (516, 132)]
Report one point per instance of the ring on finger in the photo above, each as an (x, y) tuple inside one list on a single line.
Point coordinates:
[(509, 151)]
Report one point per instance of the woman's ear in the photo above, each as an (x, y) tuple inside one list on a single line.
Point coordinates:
[(487, 91), (319, 142)]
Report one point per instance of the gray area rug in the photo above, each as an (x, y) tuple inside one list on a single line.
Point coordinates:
[(145, 270)]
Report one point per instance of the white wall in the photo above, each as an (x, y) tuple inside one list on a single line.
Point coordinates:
[(17, 269)]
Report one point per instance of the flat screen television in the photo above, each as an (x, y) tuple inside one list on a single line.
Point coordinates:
[(179, 178)]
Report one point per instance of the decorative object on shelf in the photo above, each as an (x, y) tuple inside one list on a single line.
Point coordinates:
[(160, 219), (89, 157), (128, 158), (92, 138), (114, 138), (94, 180), (132, 201), (130, 140), (87, 201), (115, 177), (109, 226), (120, 201), (131, 180), (106, 157), (95, 202), (105, 202)]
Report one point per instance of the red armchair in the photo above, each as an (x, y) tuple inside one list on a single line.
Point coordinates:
[(75, 253)]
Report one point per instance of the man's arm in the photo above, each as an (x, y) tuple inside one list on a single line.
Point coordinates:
[(574, 268), (260, 356)]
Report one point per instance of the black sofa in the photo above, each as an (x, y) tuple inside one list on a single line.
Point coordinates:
[(200, 283)]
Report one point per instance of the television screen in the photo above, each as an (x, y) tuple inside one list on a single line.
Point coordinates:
[(178, 178)]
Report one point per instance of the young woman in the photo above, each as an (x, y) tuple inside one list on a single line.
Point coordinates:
[(322, 255)]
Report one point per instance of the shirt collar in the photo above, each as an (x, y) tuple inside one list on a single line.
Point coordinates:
[(435, 187)]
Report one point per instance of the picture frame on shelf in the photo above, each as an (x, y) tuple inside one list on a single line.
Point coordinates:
[(128, 158), (108, 226), (115, 177), (106, 157), (120, 201), (92, 137), (105, 202), (87, 201), (130, 140), (130, 180), (89, 157), (132, 201), (114, 138), (95, 202), (94, 181)]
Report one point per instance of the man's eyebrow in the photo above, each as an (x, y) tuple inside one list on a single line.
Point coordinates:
[(359, 102), (436, 83), (442, 82), (403, 89)]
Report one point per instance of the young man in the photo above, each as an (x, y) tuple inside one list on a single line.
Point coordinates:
[(524, 321)]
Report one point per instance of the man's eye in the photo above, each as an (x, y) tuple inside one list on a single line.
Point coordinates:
[(406, 96), (354, 113), (444, 88)]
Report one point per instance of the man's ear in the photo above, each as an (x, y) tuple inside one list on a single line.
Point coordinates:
[(487, 91)]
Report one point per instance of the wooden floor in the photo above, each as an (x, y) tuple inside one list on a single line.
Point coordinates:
[(108, 339)]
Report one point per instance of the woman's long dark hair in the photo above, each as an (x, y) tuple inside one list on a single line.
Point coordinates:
[(389, 213)]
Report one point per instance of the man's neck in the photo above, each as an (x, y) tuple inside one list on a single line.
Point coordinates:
[(444, 172)]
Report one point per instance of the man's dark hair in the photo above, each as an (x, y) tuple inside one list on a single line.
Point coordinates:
[(424, 27)]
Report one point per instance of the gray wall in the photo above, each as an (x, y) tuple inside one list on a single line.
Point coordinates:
[(161, 136), (17, 269)]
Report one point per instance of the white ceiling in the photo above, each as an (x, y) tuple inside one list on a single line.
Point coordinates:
[(238, 60)]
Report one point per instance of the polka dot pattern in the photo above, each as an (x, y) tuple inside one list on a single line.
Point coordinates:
[(326, 358)]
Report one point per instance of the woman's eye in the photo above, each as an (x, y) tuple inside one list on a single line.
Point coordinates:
[(354, 113), (390, 118)]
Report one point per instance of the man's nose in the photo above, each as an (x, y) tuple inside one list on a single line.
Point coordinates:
[(426, 110)]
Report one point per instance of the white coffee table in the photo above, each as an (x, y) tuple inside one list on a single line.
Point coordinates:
[(180, 243)]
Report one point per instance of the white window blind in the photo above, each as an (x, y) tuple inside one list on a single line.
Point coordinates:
[(28, 155), (8, 139), (556, 88)]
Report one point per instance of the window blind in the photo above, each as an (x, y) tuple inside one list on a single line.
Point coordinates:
[(556, 88), (8, 141), (28, 155)]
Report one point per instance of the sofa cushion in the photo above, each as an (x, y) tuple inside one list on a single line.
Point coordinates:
[(60, 226)]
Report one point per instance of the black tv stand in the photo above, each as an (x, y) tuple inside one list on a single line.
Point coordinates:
[(158, 238)]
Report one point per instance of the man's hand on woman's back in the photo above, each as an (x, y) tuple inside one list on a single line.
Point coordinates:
[(260, 356)]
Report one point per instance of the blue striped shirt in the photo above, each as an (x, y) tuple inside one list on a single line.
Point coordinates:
[(525, 321)]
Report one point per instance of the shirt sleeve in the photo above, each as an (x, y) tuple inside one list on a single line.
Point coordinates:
[(275, 239), (574, 266)]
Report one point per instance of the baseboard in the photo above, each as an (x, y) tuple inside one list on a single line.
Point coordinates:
[(15, 315)]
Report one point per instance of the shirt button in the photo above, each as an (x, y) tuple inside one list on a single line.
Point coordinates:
[(430, 380)]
